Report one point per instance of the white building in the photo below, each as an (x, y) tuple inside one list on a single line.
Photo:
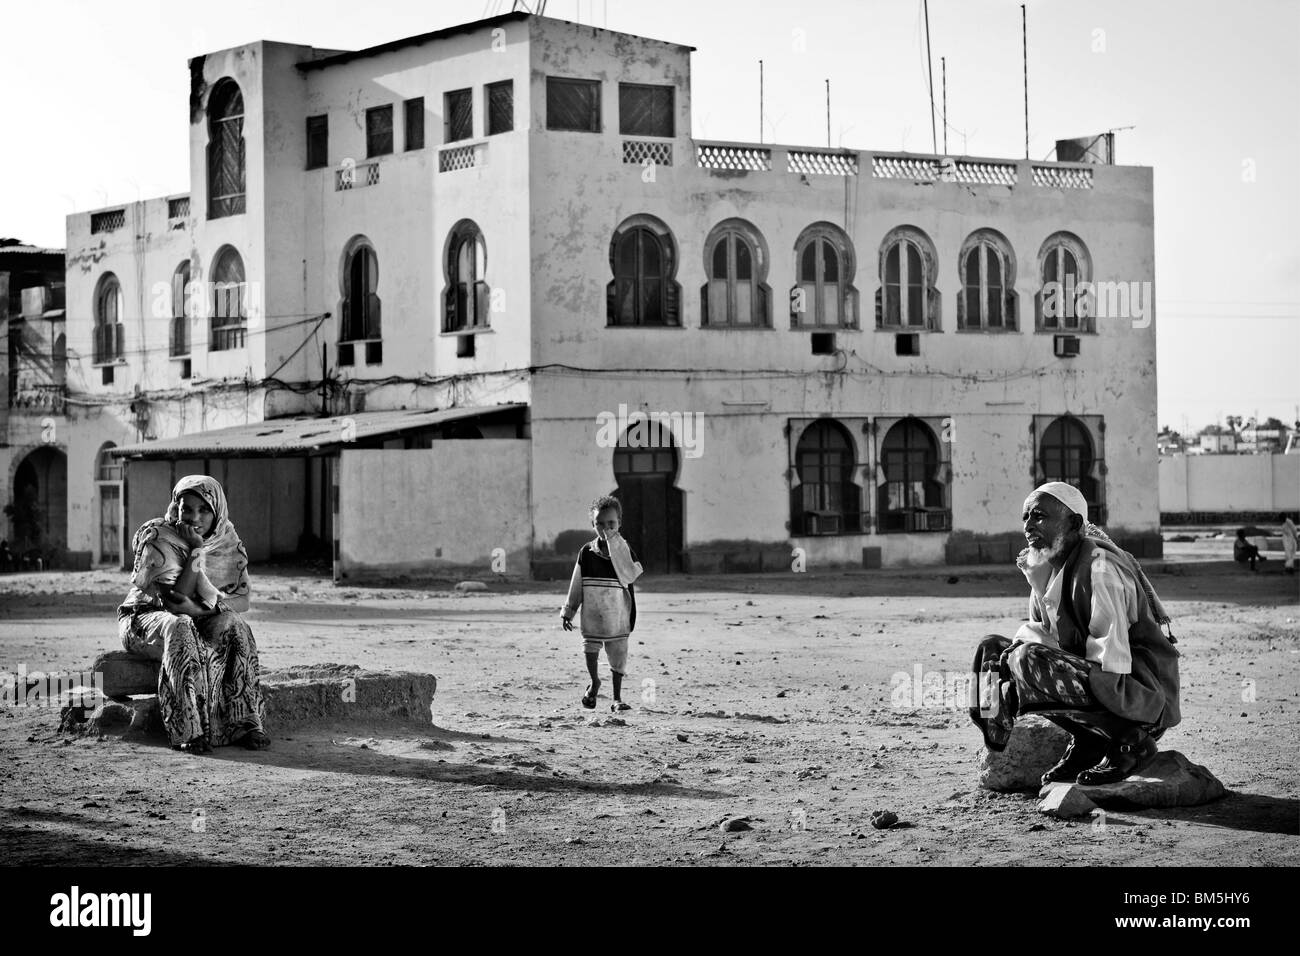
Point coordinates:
[(494, 237)]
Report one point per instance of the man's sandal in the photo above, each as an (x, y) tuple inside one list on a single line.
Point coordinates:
[(589, 701), (619, 705)]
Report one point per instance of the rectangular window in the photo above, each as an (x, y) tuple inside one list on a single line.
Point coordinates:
[(379, 131), (500, 107), (458, 115), (573, 104), (318, 141), (645, 110), (413, 118)]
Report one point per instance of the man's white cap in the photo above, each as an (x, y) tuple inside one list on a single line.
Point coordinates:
[(1067, 495)]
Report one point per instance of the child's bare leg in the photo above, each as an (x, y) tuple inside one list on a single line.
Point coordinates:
[(593, 661), (617, 652)]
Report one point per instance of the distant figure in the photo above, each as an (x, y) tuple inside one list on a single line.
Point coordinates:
[(6, 556), (1288, 542), (1243, 550), (602, 587)]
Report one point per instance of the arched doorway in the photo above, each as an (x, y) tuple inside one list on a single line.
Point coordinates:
[(39, 500), (652, 506)]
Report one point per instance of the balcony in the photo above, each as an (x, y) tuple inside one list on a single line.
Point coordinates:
[(922, 169), (108, 343)]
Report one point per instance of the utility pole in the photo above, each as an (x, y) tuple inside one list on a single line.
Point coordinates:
[(324, 383)]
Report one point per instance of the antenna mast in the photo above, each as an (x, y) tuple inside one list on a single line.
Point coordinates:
[(929, 65)]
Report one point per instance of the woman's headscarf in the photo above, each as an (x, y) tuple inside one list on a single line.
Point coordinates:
[(223, 561)]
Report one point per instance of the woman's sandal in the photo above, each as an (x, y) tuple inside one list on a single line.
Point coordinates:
[(255, 740)]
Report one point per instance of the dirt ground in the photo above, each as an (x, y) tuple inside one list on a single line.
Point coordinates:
[(776, 697)]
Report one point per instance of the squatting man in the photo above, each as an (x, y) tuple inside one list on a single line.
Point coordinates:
[(1093, 658)]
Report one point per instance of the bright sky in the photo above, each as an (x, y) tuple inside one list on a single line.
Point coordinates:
[(95, 113)]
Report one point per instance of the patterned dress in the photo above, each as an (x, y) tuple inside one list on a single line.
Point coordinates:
[(208, 687)]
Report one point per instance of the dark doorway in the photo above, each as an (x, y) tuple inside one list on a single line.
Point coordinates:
[(40, 502), (652, 507)]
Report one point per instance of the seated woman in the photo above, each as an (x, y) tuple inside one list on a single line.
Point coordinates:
[(189, 587)]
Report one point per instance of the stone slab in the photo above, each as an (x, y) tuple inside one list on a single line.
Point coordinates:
[(1170, 780)]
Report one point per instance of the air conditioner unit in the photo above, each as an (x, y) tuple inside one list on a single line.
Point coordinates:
[(1067, 346)]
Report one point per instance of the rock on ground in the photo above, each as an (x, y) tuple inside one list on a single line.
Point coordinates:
[(1065, 800), (1171, 780), (1036, 744)]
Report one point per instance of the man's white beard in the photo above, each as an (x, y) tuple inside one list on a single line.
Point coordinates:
[(1039, 556)]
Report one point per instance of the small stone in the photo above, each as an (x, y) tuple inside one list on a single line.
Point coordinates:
[(883, 819), (684, 738), (471, 586), (1066, 801), (734, 824)]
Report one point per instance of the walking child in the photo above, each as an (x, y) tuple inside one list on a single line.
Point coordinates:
[(602, 587)]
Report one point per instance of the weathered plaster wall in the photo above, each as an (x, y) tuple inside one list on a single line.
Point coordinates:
[(421, 512)]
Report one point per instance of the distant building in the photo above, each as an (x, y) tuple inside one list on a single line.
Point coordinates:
[(1216, 441), (33, 449), (504, 244)]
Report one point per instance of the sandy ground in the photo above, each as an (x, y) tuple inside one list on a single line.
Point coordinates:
[(772, 697)]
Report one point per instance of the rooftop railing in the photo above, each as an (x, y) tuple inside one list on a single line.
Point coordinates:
[(924, 168)]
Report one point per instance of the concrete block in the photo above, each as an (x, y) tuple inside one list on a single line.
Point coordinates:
[(346, 693), (125, 674)]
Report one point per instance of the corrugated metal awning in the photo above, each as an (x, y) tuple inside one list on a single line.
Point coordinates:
[(302, 435)]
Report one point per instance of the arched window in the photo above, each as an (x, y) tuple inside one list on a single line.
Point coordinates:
[(1062, 303), (735, 264), (182, 310), (465, 302), (824, 295), (988, 282), (643, 259), (225, 150), (1067, 452), (107, 468), (229, 302), (108, 320), (825, 500), (913, 496), (909, 269), (360, 301)]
